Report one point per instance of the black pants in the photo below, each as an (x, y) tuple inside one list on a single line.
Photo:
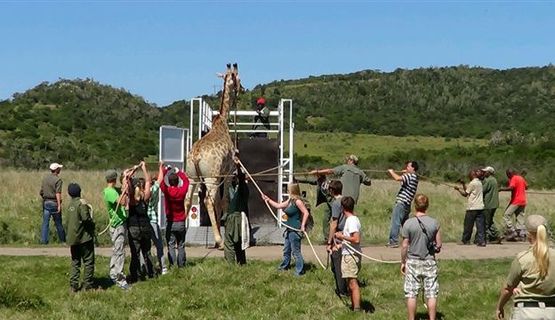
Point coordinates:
[(474, 217), (340, 283), (140, 241)]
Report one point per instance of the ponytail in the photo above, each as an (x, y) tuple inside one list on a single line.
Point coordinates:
[(540, 250)]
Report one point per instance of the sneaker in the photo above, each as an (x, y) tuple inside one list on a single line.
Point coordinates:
[(392, 245), (123, 285), (165, 271)]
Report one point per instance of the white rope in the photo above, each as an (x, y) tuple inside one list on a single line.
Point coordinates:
[(368, 257), (277, 218)]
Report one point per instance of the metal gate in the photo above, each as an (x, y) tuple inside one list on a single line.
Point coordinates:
[(174, 146)]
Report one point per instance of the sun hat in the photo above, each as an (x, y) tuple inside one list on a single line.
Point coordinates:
[(488, 169), (534, 221), (55, 166)]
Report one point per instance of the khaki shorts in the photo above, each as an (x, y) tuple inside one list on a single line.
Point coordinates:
[(350, 265)]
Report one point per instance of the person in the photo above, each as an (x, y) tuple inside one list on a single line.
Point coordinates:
[(295, 216), (80, 236), (350, 250), (474, 209), (531, 278), (337, 224), (262, 117), (234, 250), (154, 224), (115, 200), (51, 193), (351, 176), (401, 209), (322, 197), (491, 202), (421, 242), (518, 186), (138, 225), (174, 190)]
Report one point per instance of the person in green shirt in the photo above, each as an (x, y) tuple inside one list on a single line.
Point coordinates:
[(351, 176), (116, 211), (234, 250), (80, 236), (491, 203)]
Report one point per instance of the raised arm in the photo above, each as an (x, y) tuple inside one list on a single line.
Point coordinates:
[(277, 205), (394, 175), (148, 182), (322, 171)]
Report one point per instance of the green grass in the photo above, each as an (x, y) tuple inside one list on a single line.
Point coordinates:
[(21, 215), (212, 289), (333, 147)]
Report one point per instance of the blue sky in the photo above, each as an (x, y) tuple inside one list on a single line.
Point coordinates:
[(171, 50)]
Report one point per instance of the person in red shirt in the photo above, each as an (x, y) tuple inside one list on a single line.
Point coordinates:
[(517, 186), (174, 184)]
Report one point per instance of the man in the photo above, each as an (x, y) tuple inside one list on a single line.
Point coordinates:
[(234, 251), (154, 223), (336, 225), (421, 242), (263, 118), (351, 176), (491, 202), (518, 186), (474, 209), (322, 196), (174, 196), (80, 235), (118, 217), (350, 257), (51, 193), (401, 210)]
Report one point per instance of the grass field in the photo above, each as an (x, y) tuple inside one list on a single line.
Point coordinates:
[(333, 147), (37, 288), (21, 215)]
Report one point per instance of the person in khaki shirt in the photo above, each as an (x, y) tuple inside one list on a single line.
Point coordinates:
[(474, 209), (531, 279)]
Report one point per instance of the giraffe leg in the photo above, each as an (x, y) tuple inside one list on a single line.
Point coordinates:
[(189, 197), (211, 203)]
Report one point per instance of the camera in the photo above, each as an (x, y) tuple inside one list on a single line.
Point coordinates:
[(433, 247)]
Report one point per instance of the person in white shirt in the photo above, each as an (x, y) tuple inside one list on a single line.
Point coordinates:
[(350, 248), (474, 210)]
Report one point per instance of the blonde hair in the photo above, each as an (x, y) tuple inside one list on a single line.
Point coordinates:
[(294, 191), (540, 249)]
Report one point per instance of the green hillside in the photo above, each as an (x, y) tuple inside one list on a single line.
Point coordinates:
[(445, 102)]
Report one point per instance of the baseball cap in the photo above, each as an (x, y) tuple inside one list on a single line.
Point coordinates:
[(534, 221), (261, 101), (55, 166), (111, 175), (488, 169)]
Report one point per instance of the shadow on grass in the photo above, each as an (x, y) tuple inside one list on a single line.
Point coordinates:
[(104, 282), (367, 306), (424, 316)]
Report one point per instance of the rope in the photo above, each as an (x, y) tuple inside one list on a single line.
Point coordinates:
[(277, 218), (368, 257)]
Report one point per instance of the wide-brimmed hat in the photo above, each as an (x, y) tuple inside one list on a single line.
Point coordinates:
[(534, 221)]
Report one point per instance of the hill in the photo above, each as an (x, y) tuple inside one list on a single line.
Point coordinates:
[(78, 122), (446, 102)]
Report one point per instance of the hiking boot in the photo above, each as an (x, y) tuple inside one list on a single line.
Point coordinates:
[(392, 245)]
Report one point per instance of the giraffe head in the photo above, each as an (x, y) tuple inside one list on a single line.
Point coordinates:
[(232, 88)]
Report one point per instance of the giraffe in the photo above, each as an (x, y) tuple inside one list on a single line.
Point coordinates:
[(212, 156)]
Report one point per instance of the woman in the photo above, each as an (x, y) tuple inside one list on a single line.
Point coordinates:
[(531, 277), (295, 216), (138, 225)]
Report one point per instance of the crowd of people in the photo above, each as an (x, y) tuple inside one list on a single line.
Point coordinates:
[(132, 209)]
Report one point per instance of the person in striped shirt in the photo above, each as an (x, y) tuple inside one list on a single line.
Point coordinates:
[(401, 209)]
